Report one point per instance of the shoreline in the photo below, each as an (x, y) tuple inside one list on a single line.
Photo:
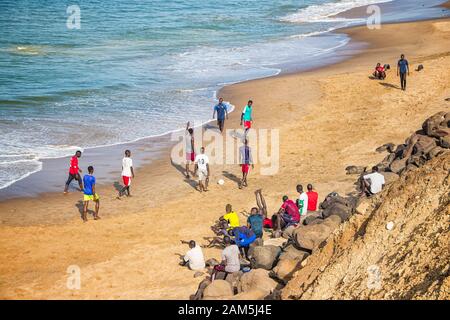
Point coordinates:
[(326, 103), (27, 187)]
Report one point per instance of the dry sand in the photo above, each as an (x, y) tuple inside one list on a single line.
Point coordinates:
[(328, 119)]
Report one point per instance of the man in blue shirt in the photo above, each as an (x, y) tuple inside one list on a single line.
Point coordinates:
[(222, 113), (90, 194), (402, 70)]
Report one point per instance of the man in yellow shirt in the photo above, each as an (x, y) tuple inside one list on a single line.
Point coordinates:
[(231, 217)]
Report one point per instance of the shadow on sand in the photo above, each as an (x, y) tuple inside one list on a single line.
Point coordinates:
[(182, 170)]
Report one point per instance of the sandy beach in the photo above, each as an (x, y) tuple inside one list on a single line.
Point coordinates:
[(327, 119)]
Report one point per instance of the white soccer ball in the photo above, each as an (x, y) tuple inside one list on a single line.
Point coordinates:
[(221, 182), (390, 225)]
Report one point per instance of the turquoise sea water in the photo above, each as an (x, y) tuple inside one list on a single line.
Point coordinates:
[(140, 68)]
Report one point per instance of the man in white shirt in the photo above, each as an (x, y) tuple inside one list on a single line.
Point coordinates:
[(230, 259), (302, 202), (202, 168), (127, 174), (194, 257), (372, 183)]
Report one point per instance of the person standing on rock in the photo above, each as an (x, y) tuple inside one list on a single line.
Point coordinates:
[(372, 183), (402, 70)]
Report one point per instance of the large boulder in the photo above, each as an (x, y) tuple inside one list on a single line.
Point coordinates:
[(287, 233), (424, 144), (311, 236), (292, 253), (217, 289), (254, 294), (311, 217), (333, 198), (257, 279), (434, 123), (264, 256), (333, 221), (364, 206), (390, 177), (444, 142), (285, 269), (436, 152), (355, 169), (339, 209), (398, 165)]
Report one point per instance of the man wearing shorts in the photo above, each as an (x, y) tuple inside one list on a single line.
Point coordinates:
[(202, 169), (90, 194), (402, 70), (245, 160), (74, 172), (246, 116), (222, 113), (127, 173), (189, 143)]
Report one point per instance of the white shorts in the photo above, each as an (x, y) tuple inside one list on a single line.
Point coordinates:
[(202, 175)]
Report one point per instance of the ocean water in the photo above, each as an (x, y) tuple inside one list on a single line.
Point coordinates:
[(140, 68)]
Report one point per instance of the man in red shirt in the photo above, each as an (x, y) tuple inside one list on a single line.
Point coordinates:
[(287, 215), (74, 172), (312, 198)]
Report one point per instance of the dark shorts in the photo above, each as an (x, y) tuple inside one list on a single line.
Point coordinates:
[(73, 176)]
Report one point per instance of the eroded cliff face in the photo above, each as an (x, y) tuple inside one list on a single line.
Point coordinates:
[(362, 259)]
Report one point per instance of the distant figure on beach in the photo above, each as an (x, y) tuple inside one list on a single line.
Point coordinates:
[(246, 116), (194, 258), (127, 174), (372, 183), (302, 202), (189, 143), (90, 194), (379, 72), (222, 112), (313, 197), (230, 259), (74, 172), (402, 70), (202, 170), (245, 161)]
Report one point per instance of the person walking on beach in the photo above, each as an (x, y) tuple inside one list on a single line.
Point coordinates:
[(202, 168), (402, 70), (90, 194), (222, 113), (246, 116), (245, 160), (74, 172), (127, 174), (189, 143)]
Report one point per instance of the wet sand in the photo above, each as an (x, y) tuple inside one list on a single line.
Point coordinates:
[(327, 119)]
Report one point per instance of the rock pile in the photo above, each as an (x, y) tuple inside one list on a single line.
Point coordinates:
[(274, 264)]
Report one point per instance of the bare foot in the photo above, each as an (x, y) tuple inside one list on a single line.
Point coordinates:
[(97, 218)]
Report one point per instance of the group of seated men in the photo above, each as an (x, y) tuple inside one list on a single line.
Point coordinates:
[(237, 239)]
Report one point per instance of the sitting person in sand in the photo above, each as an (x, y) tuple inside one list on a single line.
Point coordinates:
[(231, 217), (243, 237), (288, 215), (230, 259), (194, 257), (371, 183), (379, 72)]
